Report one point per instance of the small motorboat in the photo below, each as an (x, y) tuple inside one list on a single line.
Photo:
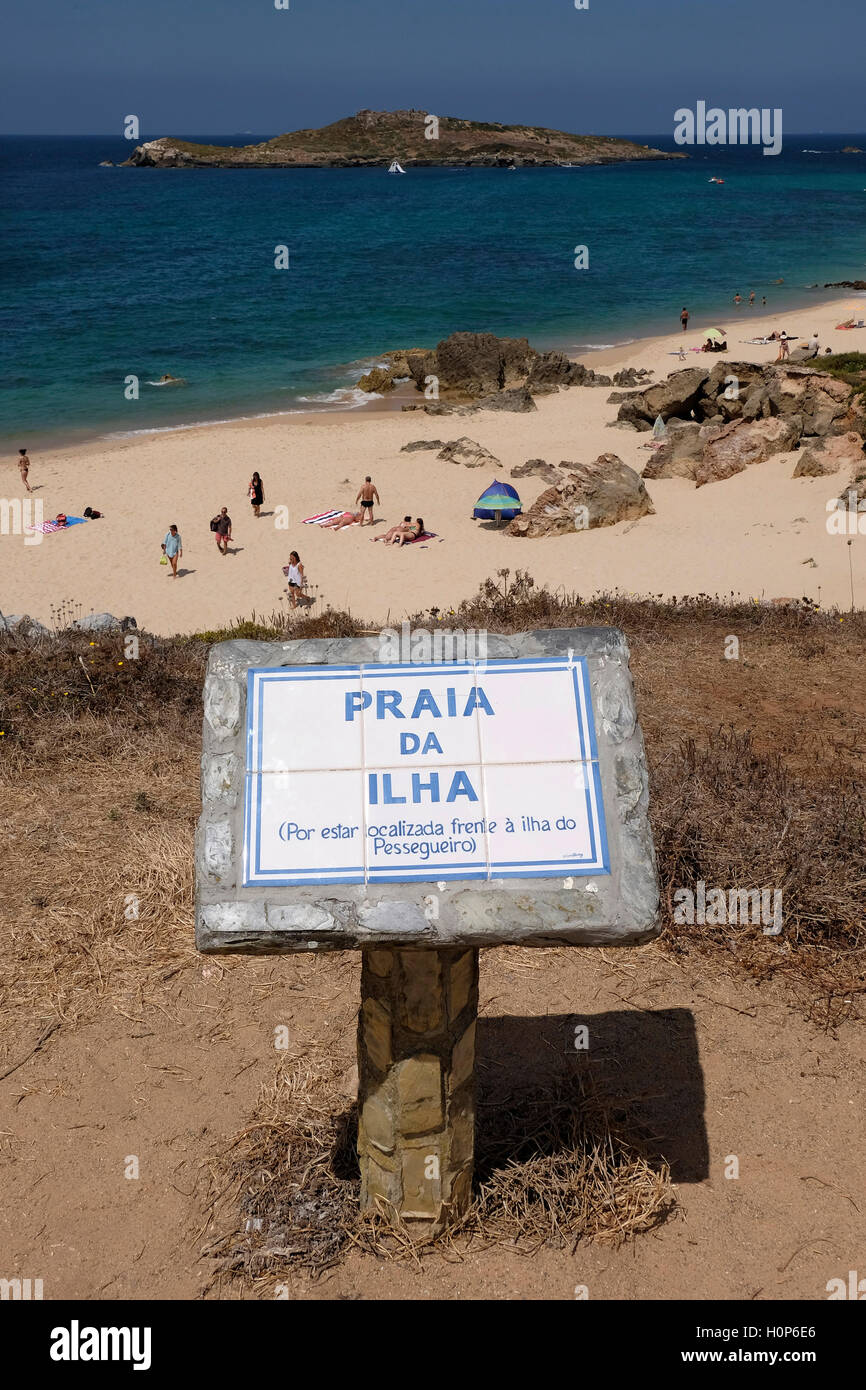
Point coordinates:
[(717, 180)]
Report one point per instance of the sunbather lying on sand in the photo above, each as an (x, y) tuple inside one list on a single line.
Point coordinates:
[(338, 522)]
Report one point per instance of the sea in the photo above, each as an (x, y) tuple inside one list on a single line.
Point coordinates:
[(271, 291)]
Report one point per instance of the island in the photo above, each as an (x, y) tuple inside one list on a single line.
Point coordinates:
[(377, 138)]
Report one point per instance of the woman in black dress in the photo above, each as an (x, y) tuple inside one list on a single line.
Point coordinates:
[(257, 494)]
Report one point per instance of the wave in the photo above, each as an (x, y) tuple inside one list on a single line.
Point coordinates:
[(346, 396)]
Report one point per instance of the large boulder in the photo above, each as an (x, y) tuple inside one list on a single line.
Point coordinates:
[(679, 395), (827, 406), (727, 389), (480, 364), (467, 452), (738, 445), (516, 399), (591, 494), (377, 379), (830, 454), (681, 451), (104, 622)]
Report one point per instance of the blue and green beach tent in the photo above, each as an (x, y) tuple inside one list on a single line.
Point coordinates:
[(499, 503)]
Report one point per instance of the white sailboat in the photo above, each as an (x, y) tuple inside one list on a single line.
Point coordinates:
[(396, 167)]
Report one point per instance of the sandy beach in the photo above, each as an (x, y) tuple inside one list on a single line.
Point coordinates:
[(760, 534)]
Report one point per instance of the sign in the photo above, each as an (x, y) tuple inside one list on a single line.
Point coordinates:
[(347, 803), (384, 774)]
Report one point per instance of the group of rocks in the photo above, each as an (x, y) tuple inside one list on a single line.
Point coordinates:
[(719, 421), (581, 495), (478, 371), (22, 625)]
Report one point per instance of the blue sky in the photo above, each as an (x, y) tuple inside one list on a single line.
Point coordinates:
[(226, 66)]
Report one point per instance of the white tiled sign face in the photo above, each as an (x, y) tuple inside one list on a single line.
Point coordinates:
[(384, 774)]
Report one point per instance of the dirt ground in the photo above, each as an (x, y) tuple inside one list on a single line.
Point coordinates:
[(119, 1044)]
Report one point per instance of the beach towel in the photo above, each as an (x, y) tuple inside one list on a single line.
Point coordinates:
[(321, 517), (50, 526), (424, 536)]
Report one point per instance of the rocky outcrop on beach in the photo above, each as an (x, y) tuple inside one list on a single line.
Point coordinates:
[(830, 454), (721, 420), (846, 285), (537, 467), (741, 443), (467, 452), (480, 371), (589, 495), (415, 444), (375, 138), (734, 390)]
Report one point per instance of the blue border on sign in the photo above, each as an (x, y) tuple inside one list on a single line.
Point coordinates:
[(598, 861)]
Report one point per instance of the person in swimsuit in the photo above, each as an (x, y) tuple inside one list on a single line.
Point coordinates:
[(24, 468), (390, 536), (295, 576), (684, 319), (367, 495), (344, 519), (411, 534), (256, 494), (752, 300), (737, 298)]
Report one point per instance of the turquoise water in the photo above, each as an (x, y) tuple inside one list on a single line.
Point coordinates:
[(115, 272)]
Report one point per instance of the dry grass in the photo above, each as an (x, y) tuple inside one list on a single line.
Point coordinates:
[(757, 781), (756, 767), (552, 1168)]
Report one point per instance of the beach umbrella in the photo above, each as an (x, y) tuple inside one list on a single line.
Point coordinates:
[(716, 334), (498, 501)]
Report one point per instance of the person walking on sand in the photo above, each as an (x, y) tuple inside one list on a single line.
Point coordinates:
[(784, 350), (24, 468), (172, 548), (684, 319), (222, 525), (296, 577), (256, 492), (367, 495)]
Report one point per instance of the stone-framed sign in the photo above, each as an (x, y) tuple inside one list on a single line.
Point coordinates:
[(349, 803)]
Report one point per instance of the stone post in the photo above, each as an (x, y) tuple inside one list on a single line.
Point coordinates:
[(416, 1083)]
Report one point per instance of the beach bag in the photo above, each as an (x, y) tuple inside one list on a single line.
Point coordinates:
[(164, 560), (214, 525)]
